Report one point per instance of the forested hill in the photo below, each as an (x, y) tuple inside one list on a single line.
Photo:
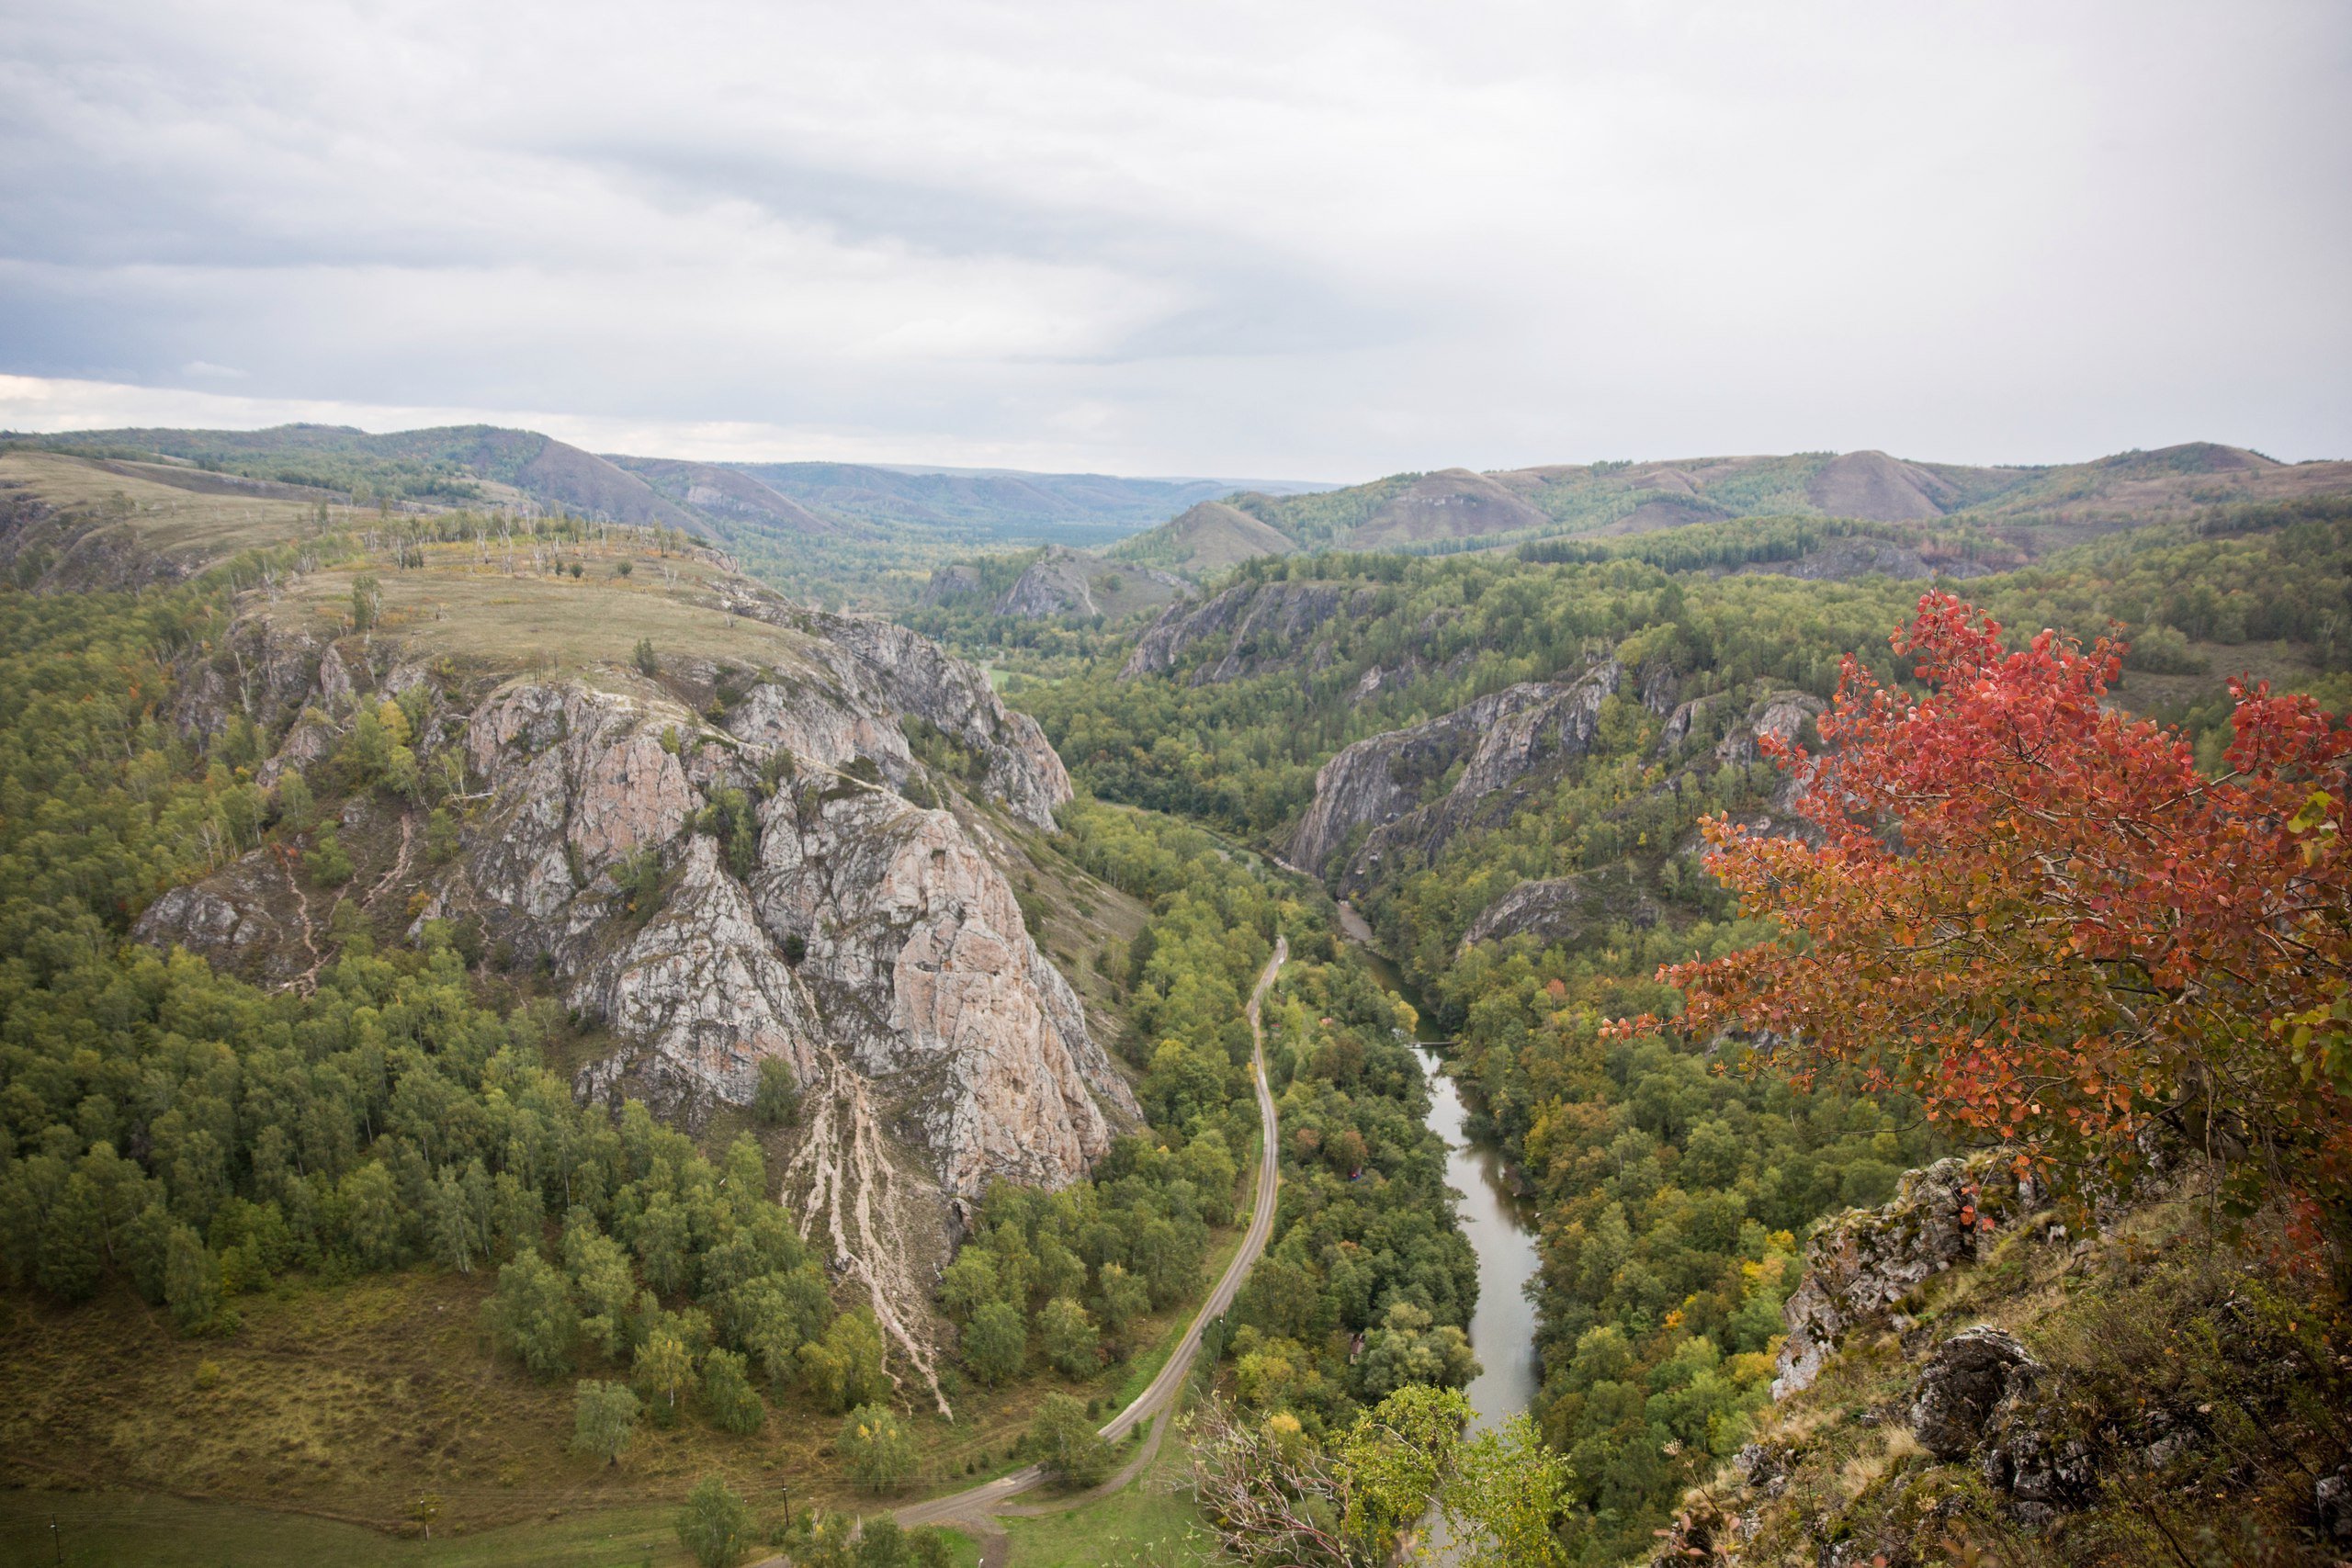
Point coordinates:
[(1504, 758), (2024, 510)]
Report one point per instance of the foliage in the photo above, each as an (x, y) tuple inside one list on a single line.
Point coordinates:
[(776, 1101), (715, 1525), (604, 1419), (877, 1449), (844, 1368), (388, 1117), (1274, 1496), (728, 1395), (1064, 1440), (2036, 914)]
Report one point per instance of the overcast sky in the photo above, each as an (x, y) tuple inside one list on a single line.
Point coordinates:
[(1265, 239)]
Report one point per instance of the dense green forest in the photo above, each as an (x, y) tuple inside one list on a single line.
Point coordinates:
[(1675, 1189), (1365, 1242), (181, 1133)]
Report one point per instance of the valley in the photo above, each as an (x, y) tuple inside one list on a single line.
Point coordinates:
[(875, 1055)]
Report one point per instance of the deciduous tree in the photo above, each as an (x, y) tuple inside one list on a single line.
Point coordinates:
[(2035, 912)]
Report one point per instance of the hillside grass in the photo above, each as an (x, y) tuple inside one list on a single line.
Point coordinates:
[(351, 1402), (2236, 1341), (191, 524)]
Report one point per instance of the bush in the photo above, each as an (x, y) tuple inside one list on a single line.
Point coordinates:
[(877, 1449), (604, 1419), (776, 1101), (715, 1525), (735, 1405), (647, 661), (327, 862), (1064, 1440)]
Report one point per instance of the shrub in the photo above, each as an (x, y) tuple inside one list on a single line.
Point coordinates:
[(877, 1449)]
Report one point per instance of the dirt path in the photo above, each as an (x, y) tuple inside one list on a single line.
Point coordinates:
[(975, 1511)]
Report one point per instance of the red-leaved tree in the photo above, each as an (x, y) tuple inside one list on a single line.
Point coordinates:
[(2034, 913)]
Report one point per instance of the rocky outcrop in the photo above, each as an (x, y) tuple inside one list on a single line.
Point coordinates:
[(1269, 624), (1968, 1375), (1565, 908), (879, 672), (950, 585), (1860, 1265), (1779, 716), (1981, 1392), (826, 934), (1054, 585), (1384, 786), (722, 884)]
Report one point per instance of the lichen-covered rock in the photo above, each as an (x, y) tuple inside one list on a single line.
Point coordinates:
[(2332, 1504), (2029, 1455), (1778, 716), (885, 671), (1969, 1374), (1864, 1261)]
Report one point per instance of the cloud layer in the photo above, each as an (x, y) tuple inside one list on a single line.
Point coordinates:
[(1322, 240)]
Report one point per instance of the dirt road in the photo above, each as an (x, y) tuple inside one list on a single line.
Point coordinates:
[(975, 1510)]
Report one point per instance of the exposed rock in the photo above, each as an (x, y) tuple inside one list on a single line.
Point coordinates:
[(875, 945), (2332, 1504), (1659, 686), (1779, 716), (1056, 585), (1565, 908), (1378, 786), (950, 583), (2042, 1468), (1865, 1260), (1268, 623), (1970, 1373), (882, 669), (1680, 722)]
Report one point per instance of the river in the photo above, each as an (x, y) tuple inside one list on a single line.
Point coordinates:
[(1501, 1225)]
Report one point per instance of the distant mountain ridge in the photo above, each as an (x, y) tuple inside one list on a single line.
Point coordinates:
[(993, 502), (1456, 508), (839, 502)]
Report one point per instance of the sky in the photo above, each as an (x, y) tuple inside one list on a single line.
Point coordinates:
[(1299, 240)]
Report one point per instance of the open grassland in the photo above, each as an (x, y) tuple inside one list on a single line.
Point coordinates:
[(1153, 1523), (192, 515), (105, 1529), (477, 610), (350, 1403)]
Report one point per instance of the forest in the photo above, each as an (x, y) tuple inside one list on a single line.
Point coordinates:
[(1675, 1185)]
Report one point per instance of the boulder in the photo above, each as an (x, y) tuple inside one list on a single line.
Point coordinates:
[(1969, 1375), (1860, 1264)]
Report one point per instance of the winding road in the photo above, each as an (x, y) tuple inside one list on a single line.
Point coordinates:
[(975, 1510)]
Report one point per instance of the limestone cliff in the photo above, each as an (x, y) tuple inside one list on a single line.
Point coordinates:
[(1385, 787), (1260, 627), (770, 872)]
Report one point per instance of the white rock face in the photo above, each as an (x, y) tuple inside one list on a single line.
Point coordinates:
[(874, 945), (858, 924)]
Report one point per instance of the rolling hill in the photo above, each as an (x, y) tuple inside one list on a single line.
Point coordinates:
[(2030, 509)]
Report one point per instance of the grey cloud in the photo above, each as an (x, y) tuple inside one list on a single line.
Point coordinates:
[(1321, 237)]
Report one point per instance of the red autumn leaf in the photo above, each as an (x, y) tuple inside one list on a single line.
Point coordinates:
[(2031, 910)]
